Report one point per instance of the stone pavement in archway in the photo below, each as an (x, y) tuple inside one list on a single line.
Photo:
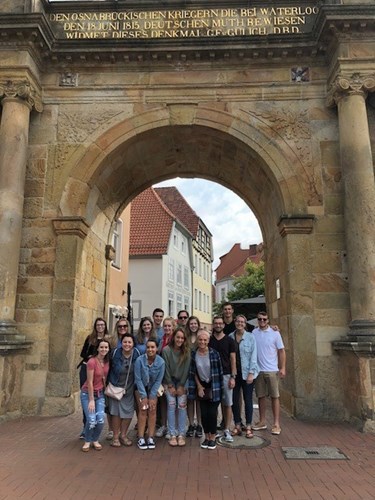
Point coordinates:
[(40, 458)]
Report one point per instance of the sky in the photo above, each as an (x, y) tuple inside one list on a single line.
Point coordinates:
[(225, 214)]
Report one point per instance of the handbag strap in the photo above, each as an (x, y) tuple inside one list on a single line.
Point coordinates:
[(127, 375)]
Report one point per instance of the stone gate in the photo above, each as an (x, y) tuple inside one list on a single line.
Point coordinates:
[(275, 101)]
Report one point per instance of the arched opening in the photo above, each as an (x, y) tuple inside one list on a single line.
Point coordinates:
[(125, 160)]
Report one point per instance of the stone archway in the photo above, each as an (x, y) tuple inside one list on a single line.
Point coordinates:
[(187, 141)]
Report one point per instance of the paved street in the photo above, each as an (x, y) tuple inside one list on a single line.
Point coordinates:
[(41, 459)]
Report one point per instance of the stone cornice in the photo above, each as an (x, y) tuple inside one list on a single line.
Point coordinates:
[(71, 225), (21, 89), (296, 224), (344, 86)]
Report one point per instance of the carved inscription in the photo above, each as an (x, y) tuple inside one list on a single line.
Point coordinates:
[(184, 23)]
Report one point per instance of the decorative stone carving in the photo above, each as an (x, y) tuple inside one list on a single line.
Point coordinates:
[(357, 84), (296, 224), (22, 90), (68, 80), (71, 225), (75, 125)]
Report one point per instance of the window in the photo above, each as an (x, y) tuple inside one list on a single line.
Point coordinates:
[(175, 239), (186, 278), (179, 275), (171, 310), (178, 302), (186, 303), (200, 300), (183, 245), (196, 263), (222, 293), (195, 298), (171, 270), (117, 243), (200, 266)]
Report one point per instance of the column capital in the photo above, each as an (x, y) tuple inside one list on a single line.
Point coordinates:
[(71, 225), (296, 224), (21, 89), (357, 84)]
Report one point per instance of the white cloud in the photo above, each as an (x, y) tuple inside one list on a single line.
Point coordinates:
[(225, 214)]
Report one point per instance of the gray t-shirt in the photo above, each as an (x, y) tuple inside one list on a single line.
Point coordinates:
[(203, 367)]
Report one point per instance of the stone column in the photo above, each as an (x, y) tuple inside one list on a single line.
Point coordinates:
[(17, 98), (359, 206)]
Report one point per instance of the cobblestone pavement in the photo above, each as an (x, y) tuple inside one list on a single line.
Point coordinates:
[(41, 458)]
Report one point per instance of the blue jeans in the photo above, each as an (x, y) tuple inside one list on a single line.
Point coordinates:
[(179, 402), (247, 390), (94, 421)]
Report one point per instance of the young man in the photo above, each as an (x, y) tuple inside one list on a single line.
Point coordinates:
[(182, 318), (271, 362), (157, 317), (228, 315), (226, 348)]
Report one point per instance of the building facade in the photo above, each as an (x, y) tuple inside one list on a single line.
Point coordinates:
[(101, 100)]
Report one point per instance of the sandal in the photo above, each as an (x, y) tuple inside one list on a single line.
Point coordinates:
[(116, 443), (97, 446), (249, 432), (173, 441), (125, 441), (86, 447), (237, 431)]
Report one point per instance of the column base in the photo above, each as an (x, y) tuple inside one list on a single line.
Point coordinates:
[(10, 339)]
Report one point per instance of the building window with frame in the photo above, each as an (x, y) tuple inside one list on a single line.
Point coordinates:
[(183, 245), (179, 275), (178, 302), (175, 239), (186, 278), (186, 303), (171, 270), (117, 243), (171, 309)]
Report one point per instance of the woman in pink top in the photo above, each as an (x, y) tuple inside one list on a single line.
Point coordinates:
[(92, 396)]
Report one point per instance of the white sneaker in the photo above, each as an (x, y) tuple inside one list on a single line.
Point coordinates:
[(168, 436), (109, 436), (228, 437), (162, 431)]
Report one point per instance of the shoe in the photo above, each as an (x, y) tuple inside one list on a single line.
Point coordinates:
[(211, 445), (97, 446), (217, 435), (116, 443), (227, 436), (259, 427), (191, 430), (168, 436), (150, 443), (276, 430), (181, 441), (142, 445), (162, 431), (109, 436), (86, 447), (204, 445), (125, 441), (237, 431), (173, 441), (82, 435), (198, 431), (249, 433)]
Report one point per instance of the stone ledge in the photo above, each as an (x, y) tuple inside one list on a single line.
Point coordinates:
[(364, 348), (296, 224)]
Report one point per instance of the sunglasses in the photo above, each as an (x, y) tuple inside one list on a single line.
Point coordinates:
[(122, 326), (183, 317), (262, 319)]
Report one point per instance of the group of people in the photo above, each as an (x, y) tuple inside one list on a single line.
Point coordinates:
[(173, 372)]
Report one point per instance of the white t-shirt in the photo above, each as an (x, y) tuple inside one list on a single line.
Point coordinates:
[(268, 341)]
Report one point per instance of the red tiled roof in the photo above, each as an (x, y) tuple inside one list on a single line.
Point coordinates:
[(233, 262), (151, 224), (177, 204)]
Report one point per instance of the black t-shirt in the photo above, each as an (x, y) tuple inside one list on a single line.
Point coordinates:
[(229, 328), (224, 347)]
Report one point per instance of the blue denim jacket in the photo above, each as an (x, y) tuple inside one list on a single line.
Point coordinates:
[(148, 377), (248, 354), (116, 364)]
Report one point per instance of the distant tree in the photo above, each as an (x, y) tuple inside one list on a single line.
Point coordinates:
[(250, 284)]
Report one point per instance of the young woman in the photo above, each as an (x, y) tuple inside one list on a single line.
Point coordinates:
[(89, 349), (92, 396), (206, 384), (121, 327), (177, 362), (145, 331), (121, 374), (247, 371), (193, 325), (169, 325), (149, 373)]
